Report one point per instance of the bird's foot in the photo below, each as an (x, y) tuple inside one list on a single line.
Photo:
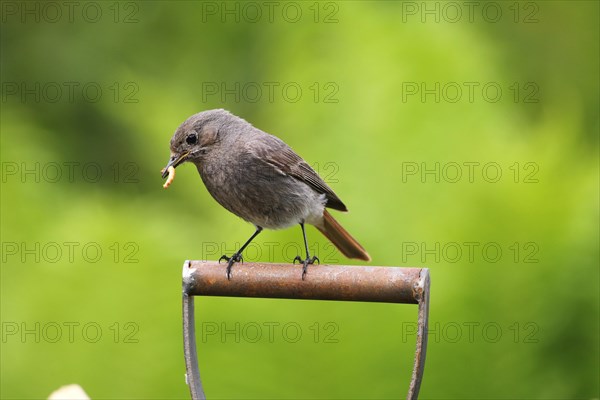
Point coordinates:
[(236, 257), (305, 263)]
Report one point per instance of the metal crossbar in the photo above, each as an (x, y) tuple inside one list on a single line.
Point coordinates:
[(323, 282)]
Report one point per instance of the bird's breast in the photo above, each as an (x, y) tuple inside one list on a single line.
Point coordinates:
[(259, 193)]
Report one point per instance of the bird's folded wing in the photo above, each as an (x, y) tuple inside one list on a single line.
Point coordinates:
[(276, 153)]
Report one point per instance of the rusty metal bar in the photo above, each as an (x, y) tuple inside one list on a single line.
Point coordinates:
[(323, 282), (284, 281)]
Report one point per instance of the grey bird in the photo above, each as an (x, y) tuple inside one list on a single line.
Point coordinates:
[(259, 178)]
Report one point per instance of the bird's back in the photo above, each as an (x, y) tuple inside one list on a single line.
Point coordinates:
[(263, 181)]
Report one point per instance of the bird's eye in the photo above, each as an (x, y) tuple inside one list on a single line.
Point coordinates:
[(192, 138)]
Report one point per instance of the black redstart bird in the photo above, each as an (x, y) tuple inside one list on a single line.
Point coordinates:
[(259, 178)]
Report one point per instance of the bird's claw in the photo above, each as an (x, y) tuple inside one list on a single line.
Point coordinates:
[(306, 262), (236, 257)]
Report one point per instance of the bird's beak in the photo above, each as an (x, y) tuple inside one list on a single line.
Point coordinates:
[(174, 162)]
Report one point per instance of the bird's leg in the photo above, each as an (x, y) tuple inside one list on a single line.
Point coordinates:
[(237, 256), (308, 260)]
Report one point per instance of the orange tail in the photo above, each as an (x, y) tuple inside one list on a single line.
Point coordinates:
[(342, 239)]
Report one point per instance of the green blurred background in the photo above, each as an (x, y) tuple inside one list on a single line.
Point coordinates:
[(92, 246)]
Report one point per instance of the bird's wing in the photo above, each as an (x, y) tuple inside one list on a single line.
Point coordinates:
[(276, 153)]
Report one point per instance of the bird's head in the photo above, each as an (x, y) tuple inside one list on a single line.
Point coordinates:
[(196, 137)]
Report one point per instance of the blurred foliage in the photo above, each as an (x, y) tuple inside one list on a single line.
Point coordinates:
[(166, 57)]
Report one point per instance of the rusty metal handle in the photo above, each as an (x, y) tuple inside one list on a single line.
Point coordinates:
[(323, 282)]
